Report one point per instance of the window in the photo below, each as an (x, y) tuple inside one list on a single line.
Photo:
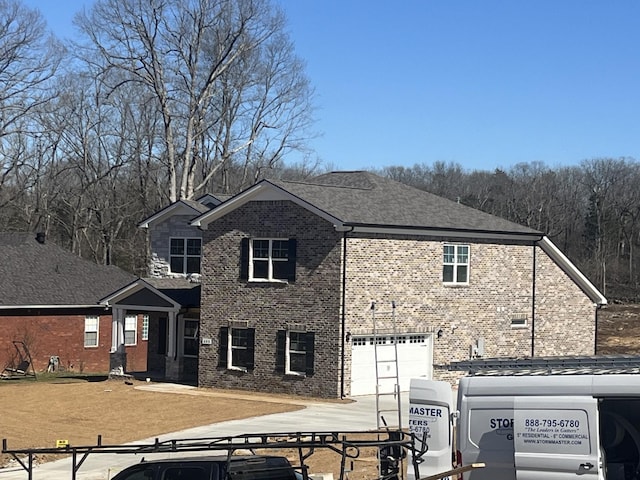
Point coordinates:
[(518, 320), (294, 352), (456, 264), (237, 348), (130, 329), (268, 259), (91, 331), (145, 327), (185, 255), (191, 338)]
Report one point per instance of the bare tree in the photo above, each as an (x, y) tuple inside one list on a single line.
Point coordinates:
[(28, 60), (223, 75)]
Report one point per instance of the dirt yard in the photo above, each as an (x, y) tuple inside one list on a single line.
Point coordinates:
[(619, 330), (37, 414)]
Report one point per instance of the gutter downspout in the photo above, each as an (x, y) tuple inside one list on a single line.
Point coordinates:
[(533, 302), (343, 314), (595, 344)]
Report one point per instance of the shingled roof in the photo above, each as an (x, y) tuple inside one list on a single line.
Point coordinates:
[(43, 274), (364, 199)]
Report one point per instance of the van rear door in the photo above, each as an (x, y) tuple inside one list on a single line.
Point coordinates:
[(430, 420), (556, 437)]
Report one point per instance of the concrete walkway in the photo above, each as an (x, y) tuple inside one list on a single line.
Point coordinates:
[(315, 417)]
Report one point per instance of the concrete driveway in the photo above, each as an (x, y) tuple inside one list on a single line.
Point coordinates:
[(315, 417)]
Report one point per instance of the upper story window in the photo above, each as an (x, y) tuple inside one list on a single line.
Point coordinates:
[(185, 255), (268, 259), (455, 267)]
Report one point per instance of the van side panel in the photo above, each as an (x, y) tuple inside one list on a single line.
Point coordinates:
[(485, 434), (556, 437)]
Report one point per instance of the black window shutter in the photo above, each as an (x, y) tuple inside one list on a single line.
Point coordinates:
[(281, 339), (224, 344), (309, 341), (244, 259), (251, 340), (291, 262)]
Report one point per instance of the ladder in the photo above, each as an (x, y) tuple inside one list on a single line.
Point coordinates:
[(385, 349)]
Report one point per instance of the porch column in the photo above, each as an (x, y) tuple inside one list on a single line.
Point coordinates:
[(118, 354), (173, 361)]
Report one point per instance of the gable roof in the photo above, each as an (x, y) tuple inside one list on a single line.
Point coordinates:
[(364, 200), (46, 275), (185, 207)]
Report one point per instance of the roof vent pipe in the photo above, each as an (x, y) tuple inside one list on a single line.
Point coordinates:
[(40, 237)]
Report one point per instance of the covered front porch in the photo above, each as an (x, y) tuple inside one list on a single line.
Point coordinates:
[(170, 328)]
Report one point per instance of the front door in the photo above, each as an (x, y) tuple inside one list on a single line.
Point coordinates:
[(556, 437)]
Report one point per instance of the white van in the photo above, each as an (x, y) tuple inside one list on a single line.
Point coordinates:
[(533, 427)]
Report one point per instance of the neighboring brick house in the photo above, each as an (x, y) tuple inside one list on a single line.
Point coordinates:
[(296, 274), (90, 318)]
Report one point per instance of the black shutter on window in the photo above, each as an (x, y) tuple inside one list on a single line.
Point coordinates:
[(309, 341), (291, 262), (281, 340), (224, 344), (244, 259), (251, 341)]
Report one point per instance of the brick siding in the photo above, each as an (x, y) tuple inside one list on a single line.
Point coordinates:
[(404, 269), (313, 299), (62, 334)]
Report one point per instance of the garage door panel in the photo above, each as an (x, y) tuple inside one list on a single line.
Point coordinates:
[(414, 360)]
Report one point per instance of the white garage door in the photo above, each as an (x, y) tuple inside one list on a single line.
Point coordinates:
[(414, 360)]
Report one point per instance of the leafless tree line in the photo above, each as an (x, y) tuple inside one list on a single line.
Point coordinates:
[(157, 100), (161, 100)]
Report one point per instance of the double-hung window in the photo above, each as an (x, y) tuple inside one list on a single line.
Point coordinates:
[(190, 344), (91, 325), (130, 329), (268, 259), (184, 255), (237, 347), (295, 352), (456, 264)]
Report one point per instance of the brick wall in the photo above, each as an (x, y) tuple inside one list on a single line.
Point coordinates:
[(62, 334), (313, 299), (408, 271)]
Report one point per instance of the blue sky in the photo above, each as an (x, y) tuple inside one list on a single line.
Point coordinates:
[(485, 84)]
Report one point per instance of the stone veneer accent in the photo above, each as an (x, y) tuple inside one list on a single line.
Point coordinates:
[(159, 241), (404, 269)]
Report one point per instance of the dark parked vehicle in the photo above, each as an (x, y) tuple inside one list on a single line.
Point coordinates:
[(222, 467)]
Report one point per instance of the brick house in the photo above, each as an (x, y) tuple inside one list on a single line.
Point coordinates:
[(298, 278), (88, 317)]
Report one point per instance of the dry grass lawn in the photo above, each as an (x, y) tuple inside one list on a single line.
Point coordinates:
[(36, 414)]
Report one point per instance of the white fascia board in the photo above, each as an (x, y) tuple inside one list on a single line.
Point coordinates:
[(570, 269), (177, 208), (134, 287), (445, 234), (17, 307), (262, 191)]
